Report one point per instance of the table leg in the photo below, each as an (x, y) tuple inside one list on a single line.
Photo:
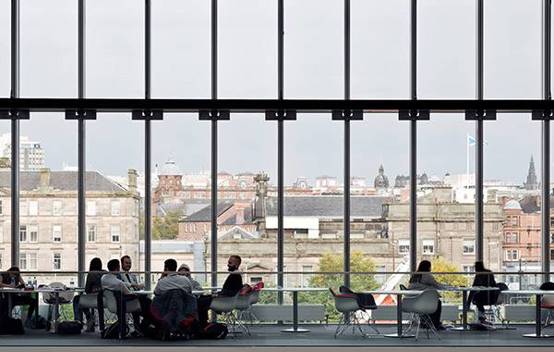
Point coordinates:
[(10, 305), (399, 332), (538, 321), (464, 313), (295, 328)]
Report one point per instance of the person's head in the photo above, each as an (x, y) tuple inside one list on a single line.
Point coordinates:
[(424, 266), (233, 263), (126, 263), (479, 266), (184, 270), (113, 265), (170, 265), (95, 264), (13, 271)]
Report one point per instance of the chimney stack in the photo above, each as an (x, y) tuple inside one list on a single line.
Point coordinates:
[(132, 180), (44, 178)]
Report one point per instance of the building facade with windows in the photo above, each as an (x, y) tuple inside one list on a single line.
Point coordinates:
[(48, 219)]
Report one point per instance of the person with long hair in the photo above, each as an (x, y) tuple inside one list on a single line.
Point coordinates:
[(12, 279), (424, 280), (93, 285), (483, 278)]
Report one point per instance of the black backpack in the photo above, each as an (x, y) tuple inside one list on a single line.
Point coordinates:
[(11, 326), (70, 327), (112, 331)]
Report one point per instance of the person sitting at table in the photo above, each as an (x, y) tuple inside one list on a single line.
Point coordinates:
[(423, 280), (13, 279), (93, 285), (126, 276), (483, 278), (171, 280), (184, 270), (232, 285), (110, 281)]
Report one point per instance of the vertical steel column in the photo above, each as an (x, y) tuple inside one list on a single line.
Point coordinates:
[(147, 151), (346, 195), (413, 141), (280, 151), (81, 147), (545, 142), (214, 147), (15, 134), (479, 206)]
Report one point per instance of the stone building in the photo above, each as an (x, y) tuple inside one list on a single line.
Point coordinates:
[(446, 228), (48, 219)]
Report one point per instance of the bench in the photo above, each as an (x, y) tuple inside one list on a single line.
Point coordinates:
[(283, 312)]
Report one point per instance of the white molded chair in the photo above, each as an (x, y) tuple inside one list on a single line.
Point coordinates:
[(421, 306)]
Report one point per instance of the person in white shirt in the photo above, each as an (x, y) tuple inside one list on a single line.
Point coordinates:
[(110, 281), (171, 280), (185, 270), (126, 276)]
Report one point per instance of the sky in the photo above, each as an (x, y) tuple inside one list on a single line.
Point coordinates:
[(314, 68)]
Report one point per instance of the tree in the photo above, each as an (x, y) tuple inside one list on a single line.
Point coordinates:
[(166, 227), (331, 262), (441, 265)]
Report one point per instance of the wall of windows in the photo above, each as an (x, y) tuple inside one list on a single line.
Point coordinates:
[(247, 144)]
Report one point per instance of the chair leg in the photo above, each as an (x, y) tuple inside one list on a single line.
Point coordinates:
[(418, 323)]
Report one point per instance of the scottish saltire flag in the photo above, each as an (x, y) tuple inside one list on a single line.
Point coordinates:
[(471, 141)]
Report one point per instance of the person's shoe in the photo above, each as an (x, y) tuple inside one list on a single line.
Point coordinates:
[(441, 327)]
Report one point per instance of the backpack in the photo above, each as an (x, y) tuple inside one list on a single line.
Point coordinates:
[(214, 331), (11, 326), (70, 327)]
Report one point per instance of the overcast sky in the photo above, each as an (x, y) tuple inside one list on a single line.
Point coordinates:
[(313, 69)]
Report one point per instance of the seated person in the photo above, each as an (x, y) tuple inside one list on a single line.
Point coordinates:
[(483, 278), (232, 286), (126, 276), (185, 271), (425, 281), (233, 283), (12, 279), (93, 285), (171, 280), (110, 281)]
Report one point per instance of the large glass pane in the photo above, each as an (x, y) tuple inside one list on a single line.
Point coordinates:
[(379, 194), (446, 191), (313, 204), (314, 47), (180, 49), (115, 48), (115, 188), (512, 182), (512, 49), (380, 49), (5, 59), (243, 72), (5, 194), (48, 48), (181, 193), (48, 197), (446, 49), (246, 196)]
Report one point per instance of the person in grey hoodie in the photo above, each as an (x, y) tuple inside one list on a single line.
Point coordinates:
[(424, 280)]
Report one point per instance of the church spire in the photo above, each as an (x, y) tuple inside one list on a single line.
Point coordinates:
[(531, 183)]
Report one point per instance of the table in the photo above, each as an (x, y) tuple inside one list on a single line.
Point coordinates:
[(538, 297), (398, 293), (464, 291), (55, 291), (295, 290)]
